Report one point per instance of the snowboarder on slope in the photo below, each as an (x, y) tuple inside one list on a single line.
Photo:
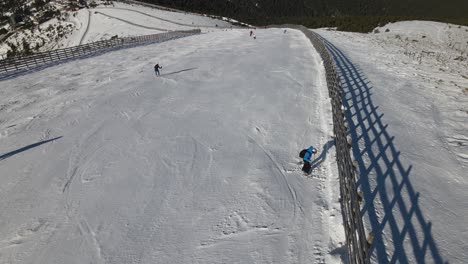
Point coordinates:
[(156, 69), (306, 155), (251, 32)]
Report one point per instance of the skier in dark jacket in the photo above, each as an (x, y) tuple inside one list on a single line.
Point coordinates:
[(156, 69), (306, 155)]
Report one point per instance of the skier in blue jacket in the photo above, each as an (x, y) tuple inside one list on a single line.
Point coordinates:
[(306, 155)]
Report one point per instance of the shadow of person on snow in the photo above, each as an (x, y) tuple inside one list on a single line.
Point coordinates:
[(14, 152), (170, 73), (323, 155)]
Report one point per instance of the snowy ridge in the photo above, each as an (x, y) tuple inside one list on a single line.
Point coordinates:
[(230, 20)]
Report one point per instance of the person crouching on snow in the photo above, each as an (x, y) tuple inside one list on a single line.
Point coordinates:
[(306, 155), (156, 69)]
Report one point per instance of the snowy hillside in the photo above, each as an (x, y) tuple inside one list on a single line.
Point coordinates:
[(105, 21), (408, 93), (102, 162)]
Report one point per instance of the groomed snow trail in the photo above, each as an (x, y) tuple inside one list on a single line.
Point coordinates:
[(102, 162), (87, 28)]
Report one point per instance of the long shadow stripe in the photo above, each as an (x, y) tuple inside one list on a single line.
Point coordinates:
[(12, 153)]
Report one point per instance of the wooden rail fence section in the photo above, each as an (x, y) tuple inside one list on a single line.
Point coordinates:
[(358, 248), (19, 64)]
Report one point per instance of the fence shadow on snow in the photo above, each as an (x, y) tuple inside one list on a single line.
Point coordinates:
[(382, 178)]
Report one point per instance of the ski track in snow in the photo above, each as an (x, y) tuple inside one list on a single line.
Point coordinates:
[(131, 23), (281, 171), (87, 28)]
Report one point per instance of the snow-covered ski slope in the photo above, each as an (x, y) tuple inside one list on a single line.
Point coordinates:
[(102, 162), (407, 92)]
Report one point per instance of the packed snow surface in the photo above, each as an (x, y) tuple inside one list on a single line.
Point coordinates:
[(102, 162), (407, 94)]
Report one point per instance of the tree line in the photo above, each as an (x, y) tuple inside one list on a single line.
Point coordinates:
[(355, 15)]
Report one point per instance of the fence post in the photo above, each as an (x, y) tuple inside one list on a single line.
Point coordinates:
[(66, 54), (4, 65), (56, 54)]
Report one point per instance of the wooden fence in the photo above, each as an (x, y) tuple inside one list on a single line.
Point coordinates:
[(14, 65), (350, 200), (358, 247)]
